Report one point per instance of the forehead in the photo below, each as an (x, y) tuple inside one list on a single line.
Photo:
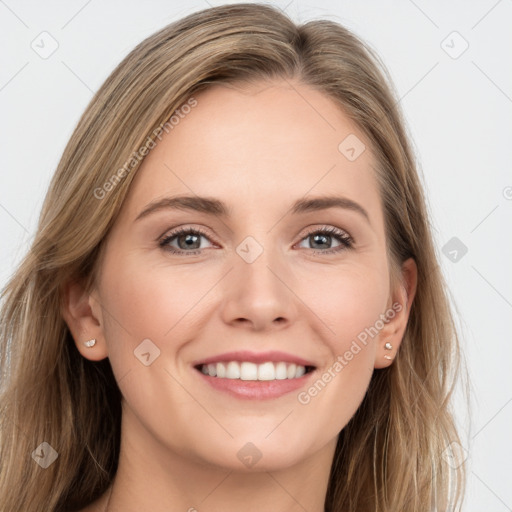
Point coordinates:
[(255, 145)]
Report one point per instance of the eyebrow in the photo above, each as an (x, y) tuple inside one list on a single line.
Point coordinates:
[(217, 208)]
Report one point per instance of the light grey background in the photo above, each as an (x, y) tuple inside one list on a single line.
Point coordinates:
[(459, 111)]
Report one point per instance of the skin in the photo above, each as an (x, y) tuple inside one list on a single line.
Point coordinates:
[(180, 437)]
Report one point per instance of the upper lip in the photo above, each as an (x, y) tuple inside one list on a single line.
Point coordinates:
[(255, 357)]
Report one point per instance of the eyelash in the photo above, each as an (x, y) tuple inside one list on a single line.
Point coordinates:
[(346, 241)]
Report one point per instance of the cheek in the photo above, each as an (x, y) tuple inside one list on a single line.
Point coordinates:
[(138, 305), (149, 301), (143, 302), (348, 300), (146, 301)]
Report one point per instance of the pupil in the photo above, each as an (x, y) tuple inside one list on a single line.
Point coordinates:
[(190, 240), (325, 239)]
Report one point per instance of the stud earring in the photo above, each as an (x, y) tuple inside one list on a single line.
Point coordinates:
[(90, 343), (388, 346)]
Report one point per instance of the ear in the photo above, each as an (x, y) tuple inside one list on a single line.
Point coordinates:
[(83, 316), (397, 314)]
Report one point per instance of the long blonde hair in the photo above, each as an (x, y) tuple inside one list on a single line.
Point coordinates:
[(391, 455)]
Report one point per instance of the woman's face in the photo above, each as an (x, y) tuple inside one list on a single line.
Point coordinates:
[(272, 278)]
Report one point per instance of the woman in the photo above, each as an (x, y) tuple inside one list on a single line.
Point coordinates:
[(177, 340)]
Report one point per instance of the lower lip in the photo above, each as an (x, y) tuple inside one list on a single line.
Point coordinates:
[(256, 389)]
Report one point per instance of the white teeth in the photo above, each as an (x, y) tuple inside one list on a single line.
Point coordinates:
[(251, 371), (281, 371), (266, 371), (221, 370), (212, 370), (300, 371), (233, 370)]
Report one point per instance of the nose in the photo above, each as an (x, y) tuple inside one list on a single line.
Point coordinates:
[(259, 295)]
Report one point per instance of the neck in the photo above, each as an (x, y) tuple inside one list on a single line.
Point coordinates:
[(151, 476)]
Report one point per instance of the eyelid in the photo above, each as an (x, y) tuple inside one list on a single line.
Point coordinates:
[(325, 227), (173, 232)]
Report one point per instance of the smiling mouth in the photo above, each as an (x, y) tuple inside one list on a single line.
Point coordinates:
[(248, 371)]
